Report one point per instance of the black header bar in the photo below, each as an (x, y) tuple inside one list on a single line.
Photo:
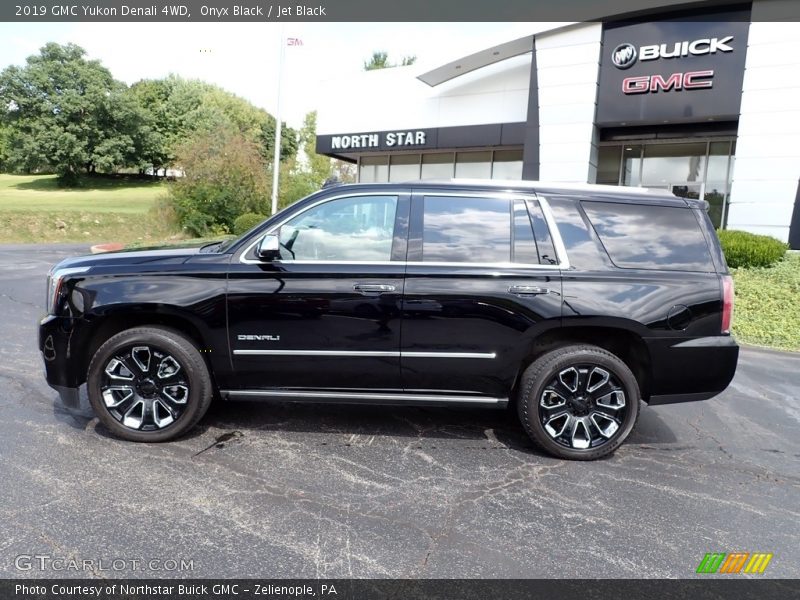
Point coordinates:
[(360, 10)]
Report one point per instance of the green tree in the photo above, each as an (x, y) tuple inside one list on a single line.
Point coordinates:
[(307, 173), (65, 113), (380, 60), (224, 176), (179, 109)]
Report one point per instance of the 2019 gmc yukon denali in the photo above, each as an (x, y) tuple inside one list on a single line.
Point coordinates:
[(572, 303)]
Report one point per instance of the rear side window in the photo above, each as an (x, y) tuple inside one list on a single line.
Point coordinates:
[(466, 229), (640, 236)]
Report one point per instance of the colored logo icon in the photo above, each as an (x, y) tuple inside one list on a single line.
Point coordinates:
[(735, 562)]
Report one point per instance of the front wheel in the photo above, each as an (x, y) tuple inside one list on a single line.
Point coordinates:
[(579, 402), (149, 384)]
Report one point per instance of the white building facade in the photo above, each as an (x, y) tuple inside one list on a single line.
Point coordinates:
[(705, 104)]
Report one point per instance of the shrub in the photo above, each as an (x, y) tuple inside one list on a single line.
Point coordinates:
[(744, 249), (224, 177), (246, 221)]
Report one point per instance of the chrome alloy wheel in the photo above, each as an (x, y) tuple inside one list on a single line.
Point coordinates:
[(582, 407), (144, 388)]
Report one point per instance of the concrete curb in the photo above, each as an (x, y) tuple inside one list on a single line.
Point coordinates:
[(100, 248)]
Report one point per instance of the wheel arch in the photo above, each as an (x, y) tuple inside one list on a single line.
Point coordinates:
[(111, 323), (620, 341)]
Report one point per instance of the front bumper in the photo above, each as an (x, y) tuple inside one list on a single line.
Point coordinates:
[(62, 351), (687, 370)]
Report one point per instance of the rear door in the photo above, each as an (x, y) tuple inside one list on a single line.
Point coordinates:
[(479, 287), (327, 314)]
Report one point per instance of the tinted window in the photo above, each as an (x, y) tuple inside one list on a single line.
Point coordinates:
[(544, 243), (583, 247), (464, 229), (650, 237), (357, 228), (524, 244)]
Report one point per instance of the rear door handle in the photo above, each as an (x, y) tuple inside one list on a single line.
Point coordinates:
[(373, 288), (527, 290)]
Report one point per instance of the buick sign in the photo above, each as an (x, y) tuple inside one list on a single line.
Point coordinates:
[(624, 56)]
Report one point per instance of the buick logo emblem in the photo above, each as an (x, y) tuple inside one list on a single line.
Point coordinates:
[(624, 56)]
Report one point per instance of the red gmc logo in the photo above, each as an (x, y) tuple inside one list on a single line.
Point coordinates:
[(691, 80)]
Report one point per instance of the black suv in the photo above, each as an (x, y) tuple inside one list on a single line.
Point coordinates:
[(571, 302)]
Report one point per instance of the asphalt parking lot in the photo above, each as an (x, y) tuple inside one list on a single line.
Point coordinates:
[(326, 491)]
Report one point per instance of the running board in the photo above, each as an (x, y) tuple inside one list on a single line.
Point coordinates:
[(391, 399)]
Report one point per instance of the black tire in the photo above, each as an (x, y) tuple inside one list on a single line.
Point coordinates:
[(168, 401), (603, 426)]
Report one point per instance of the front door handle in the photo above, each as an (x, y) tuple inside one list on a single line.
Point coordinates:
[(373, 288), (527, 290)]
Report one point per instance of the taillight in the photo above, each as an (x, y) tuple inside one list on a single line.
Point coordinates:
[(727, 303)]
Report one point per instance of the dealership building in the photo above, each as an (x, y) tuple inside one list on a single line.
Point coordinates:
[(704, 103)]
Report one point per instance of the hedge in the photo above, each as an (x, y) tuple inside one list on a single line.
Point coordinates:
[(745, 249), (246, 221)]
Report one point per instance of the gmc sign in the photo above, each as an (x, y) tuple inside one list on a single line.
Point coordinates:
[(691, 80)]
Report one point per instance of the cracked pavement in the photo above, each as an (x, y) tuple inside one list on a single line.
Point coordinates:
[(345, 491)]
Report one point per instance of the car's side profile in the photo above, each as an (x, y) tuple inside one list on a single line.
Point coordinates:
[(570, 302)]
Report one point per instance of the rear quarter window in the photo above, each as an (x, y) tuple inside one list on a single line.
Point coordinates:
[(638, 236)]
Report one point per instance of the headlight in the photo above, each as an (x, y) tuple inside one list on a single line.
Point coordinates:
[(55, 279)]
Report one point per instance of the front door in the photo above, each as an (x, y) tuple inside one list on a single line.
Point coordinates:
[(327, 314)]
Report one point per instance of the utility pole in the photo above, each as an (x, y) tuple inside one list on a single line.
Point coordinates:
[(277, 161)]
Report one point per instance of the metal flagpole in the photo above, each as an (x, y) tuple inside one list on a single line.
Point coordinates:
[(277, 161)]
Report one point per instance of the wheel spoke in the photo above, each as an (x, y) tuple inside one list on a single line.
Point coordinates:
[(168, 367), (570, 379), (141, 357), (558, 424), (134, 416), (552, 399), (115, 395), (117, 369), (596, 379), (606, 425), (580, 437), (178, 394), (614, 400), (163, 415)]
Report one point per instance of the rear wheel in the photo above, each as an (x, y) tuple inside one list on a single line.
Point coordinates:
[(149, 384), (579, 402)]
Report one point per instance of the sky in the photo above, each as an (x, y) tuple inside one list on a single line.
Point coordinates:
[(244, 59)]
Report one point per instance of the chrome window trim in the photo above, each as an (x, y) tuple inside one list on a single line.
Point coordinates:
[(368, 396), (555, 234), (510, 195), (365, 353)]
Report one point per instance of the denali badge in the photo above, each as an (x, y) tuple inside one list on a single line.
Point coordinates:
[(624, 56), (258, 338)]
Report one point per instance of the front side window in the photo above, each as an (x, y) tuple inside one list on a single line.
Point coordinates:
[(358, 228)]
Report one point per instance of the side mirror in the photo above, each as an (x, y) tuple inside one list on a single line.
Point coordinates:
[(269, 248)]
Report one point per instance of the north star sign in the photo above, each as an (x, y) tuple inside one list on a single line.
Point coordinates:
[(373, 140)]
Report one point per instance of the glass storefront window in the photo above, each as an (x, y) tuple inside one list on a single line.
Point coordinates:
[(507, 164), (474, 165), (665, 165), (608, 165), (374, 169), (631, 165), (438, 165), (404, 167)]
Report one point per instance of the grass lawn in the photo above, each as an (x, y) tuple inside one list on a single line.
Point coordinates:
[(767, 304), (34, 209)]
